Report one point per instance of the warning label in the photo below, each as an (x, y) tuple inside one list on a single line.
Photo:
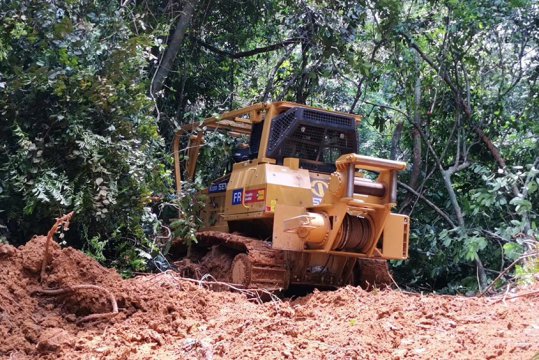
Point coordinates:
[(255, 195)]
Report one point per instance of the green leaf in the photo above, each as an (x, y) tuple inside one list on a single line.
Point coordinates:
[(513, 250)]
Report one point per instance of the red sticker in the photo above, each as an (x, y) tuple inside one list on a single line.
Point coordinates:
[(255, 195)]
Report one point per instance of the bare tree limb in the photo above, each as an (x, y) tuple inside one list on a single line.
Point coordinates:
[(428, 60), (383, 106), (506, 271), (243, 54), (465, 104), (61, 221), (429, 203)]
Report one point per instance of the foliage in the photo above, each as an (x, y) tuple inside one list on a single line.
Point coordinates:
[(189, 205), (217, 151), (77, 131)]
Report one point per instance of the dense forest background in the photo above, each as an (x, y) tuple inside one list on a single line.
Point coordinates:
[(92, 91)]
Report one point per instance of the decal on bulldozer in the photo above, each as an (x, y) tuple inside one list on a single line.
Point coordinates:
[(237, 196), (218, 187), (255, 195), (318, 188)]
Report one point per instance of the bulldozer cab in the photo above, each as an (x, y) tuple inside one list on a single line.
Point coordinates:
[(270, 133)]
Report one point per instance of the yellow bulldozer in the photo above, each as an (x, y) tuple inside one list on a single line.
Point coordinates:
[(297, 204)]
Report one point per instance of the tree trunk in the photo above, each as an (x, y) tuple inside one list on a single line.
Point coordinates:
[(446, 175), (300, 90), (491, 147), (481, 274), (417, 160), (395, 140), (174, 45), (359, 92)]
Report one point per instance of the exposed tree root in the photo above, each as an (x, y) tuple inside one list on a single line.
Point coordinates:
[(71, 289), (61, 221)]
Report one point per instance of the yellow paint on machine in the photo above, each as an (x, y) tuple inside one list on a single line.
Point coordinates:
[(281, 185)]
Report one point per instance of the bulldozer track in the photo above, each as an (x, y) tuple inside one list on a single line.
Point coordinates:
[(256, 265)]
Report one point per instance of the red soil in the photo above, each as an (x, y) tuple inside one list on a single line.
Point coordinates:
[(164, 317)]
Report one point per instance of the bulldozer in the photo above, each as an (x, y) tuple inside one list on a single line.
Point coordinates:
[(296, 203)]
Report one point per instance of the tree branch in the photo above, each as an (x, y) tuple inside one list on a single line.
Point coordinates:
[(443, 75), (520, 72), (429, 203), (383, 106), (359, 90), (247, 53), (466, 105), (269, 85)]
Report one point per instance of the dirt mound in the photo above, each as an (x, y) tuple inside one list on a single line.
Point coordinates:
[(162, 316)]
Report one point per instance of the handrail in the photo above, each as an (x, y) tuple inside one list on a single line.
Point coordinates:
[(368, 163)]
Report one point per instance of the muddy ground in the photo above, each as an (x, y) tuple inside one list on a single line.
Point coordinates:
[(164, 317)]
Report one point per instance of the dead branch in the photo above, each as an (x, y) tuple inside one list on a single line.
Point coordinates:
[(505, 297), (72, 289), (506, 271), (243, 54), (61, 221), (394, 282)]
